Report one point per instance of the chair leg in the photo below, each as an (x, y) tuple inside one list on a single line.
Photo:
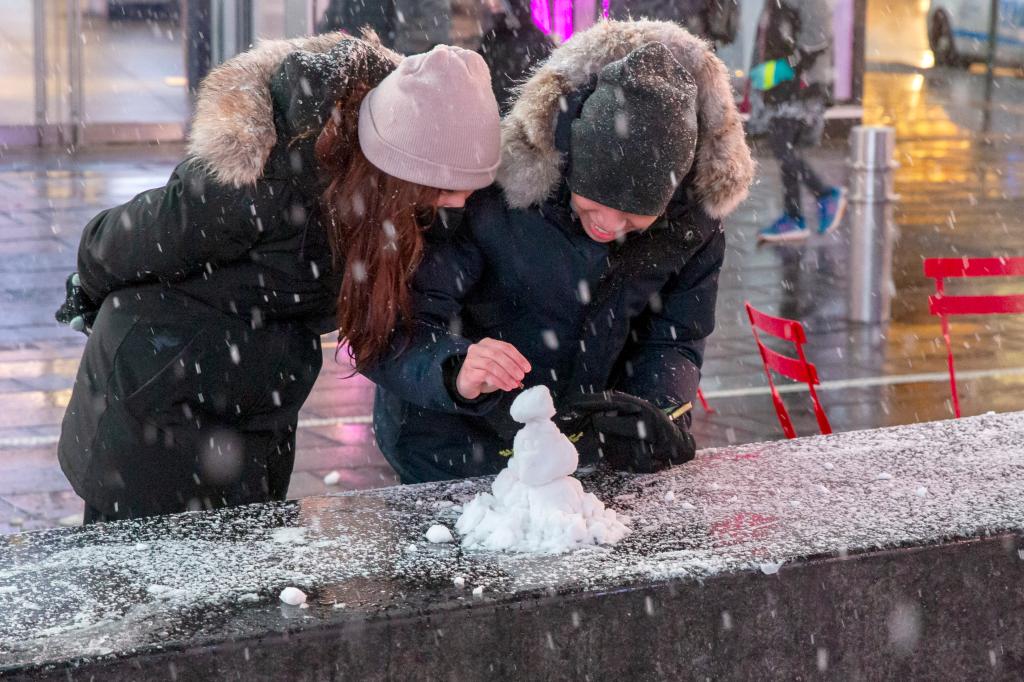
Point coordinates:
[(819, 413), (952, 370), (704, 402), (780, 410)]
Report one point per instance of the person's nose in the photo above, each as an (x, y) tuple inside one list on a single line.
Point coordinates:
[(615, 223), (453, 199)]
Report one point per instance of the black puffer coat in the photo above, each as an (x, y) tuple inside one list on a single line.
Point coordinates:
[(214, 290), (588, 317)]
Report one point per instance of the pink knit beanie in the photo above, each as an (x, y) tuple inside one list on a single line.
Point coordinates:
[(434, 121)]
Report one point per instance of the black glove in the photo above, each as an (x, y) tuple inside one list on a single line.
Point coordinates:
[(78, 310), (625, 432)]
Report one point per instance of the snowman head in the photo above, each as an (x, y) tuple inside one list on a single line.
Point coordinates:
[(533, 404)]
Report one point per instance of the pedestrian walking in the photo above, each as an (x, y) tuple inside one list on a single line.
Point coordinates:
[(591, 267), (793, 74), (314, 168)]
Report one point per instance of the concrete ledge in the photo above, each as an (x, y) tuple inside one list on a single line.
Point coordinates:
[(883, 554)]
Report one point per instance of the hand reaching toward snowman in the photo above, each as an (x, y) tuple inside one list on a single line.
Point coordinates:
[(491, 365)]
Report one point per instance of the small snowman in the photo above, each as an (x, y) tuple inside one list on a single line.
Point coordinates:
[(535, 504)]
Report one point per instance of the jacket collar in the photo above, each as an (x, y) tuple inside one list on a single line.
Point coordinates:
[(233, 130)]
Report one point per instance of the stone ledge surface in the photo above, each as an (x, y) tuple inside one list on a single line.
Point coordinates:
[(800, 537)]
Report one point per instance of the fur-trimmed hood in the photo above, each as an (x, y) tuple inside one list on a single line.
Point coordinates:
[(532, 167), (233, 130)]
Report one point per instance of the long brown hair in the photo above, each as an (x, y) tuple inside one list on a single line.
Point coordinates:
[(374, 223)]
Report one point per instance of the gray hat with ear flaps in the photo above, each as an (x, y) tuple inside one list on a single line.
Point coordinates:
[(636, 136)]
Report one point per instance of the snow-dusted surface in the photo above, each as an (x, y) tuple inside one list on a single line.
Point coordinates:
[(535, 505), (71, 593)]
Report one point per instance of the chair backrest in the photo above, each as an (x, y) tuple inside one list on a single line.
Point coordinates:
[(941, 269), (943, 305), (798, 368)]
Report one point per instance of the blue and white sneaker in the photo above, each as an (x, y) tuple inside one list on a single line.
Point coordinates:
[(785, 229), (831, 208)]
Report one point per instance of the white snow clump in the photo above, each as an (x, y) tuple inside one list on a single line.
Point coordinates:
[(439, 533), (293, 596)]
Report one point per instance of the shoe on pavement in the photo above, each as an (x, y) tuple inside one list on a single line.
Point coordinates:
[(831, 208), (785, 229)]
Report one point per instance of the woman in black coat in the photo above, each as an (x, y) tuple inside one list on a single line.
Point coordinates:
[(300, 208), (592, 266)]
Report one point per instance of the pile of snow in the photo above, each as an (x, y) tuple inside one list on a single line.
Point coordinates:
[(535, 505)]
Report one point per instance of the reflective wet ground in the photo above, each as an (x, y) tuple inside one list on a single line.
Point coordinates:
[(960, 193)]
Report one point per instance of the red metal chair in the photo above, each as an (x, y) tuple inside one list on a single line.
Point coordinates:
[(798, 369), (943, 306)]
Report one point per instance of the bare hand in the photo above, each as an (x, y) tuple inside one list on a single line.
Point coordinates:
[(491, 365)]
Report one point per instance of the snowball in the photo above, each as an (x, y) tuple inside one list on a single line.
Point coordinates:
[(884, 476), (412, 548), (670, 495), (771, 568), (921, 492), (439, 533), (459, 581), (332, 478), (687, 506), (293, 596), (477, 591), (829, 466), (535, 505)]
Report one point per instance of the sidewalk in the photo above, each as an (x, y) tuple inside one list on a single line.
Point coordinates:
[(958, 197)]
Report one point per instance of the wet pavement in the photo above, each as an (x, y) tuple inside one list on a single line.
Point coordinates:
[(761, 513), (961, 194)]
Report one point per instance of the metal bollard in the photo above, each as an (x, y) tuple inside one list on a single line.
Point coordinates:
[(872, 230)]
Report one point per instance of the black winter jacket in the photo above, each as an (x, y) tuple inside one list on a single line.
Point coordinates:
[(213, 290), (580, 311)]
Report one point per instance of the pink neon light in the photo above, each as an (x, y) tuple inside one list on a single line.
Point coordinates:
[(541, 14), (563, 19), (604, 8)]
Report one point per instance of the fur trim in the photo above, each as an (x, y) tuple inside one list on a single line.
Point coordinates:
[(531, 167), (232, 131)]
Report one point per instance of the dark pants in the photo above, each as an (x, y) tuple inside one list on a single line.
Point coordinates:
[(787, 136), (180, 407)]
